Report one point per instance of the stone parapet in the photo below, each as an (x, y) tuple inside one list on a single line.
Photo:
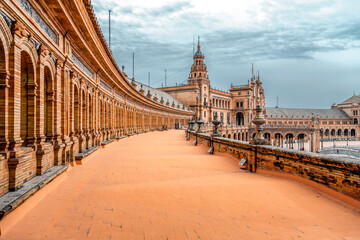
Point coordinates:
[(337, 173)]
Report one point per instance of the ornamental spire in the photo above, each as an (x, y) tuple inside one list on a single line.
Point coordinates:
[(198, 43)]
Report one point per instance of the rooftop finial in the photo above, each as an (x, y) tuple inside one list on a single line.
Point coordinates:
[(198, 43)]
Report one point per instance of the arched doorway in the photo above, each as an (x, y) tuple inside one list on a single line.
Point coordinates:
[(76, 109), (27, 75), (301, 141), (48, 100), (267, 136), (339, 132), (289, 140), (278, 140), (240, 119), (352, 133), (327, 132), (333, 132)]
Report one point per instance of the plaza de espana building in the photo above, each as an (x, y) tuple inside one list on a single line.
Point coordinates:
[(294, 128), (62, 96)]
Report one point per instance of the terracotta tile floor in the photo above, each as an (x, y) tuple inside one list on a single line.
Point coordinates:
[(159, 186)]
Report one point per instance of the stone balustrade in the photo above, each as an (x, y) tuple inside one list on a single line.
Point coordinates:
[(340, 174)]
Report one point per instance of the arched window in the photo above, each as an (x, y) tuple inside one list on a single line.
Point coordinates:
[(356, 121), (352, 133)]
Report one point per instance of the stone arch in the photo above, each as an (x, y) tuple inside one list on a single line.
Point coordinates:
[(229, 136), (235, 136), (352, 133), (278, 139), (239, 137), (5, 44), (267, 136), (289, 140), (48, 101), (301, 141), (333, 132), (27, 78), (339, 132), (240, 119), (6, 40), (327, 132), (346, 132), (76, 108)]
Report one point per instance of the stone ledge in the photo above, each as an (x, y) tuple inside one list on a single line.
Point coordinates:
[(107, 142), (11, 200), (87, 152), (120, 137)]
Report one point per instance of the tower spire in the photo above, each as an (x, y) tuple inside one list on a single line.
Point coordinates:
[(198, 43)]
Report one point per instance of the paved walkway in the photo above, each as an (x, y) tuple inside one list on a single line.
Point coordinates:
[(159, 186)]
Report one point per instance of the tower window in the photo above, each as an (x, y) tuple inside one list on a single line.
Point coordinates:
[(194, 74), (200, 74)]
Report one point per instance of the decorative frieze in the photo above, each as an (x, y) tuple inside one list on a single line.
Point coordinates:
[(119, 96), (38, 19), (104, 85), (82, 66)]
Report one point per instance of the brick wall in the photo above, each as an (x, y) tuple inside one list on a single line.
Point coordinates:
[(340, 174), (4, 173)]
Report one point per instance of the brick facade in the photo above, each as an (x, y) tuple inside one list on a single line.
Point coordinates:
[(60, 94)]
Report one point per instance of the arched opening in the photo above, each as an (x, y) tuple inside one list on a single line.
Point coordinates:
[(278, 140), (289, 140), (91, 117), (229, 136), (356, 121), (3, 113), (240, 119), (339, 132), (327, 132), (352, 133), (267, 136), (243, 137), (224, 136), (235, 136), (83, 110), (48, 102), (76, 109), (27, 75), (346, 132), (239, 137), (301, 141), (333, 132)]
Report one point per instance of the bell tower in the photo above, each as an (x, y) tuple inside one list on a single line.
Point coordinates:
[(198, 71)]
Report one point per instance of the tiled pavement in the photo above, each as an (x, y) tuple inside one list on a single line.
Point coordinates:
[(159, 186)]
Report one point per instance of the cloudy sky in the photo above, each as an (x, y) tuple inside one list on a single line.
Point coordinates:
[(307, 52)]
